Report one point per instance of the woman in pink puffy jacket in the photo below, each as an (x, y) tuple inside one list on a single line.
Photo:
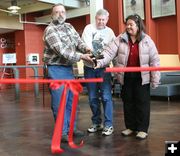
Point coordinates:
[(134, 48)]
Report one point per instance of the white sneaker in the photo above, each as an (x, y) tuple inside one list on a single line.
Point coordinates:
[(107, 130), (95, 128), (127, 132), (141, 135)]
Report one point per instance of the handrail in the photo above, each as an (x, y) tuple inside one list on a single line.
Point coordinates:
[(15, 69)]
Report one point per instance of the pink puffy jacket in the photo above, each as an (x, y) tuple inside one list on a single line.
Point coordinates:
[(118, 52)]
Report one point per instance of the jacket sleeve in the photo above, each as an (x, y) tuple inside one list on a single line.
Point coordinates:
[(154, 62), (110, 52)]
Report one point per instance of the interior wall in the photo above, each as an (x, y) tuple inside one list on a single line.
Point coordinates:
[(79, 23), (115, 15), (169, 60), (163, 30), (167, 35), (7, 44), (27, 42)]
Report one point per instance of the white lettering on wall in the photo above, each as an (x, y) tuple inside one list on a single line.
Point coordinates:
[(3, 43), (6, 43)]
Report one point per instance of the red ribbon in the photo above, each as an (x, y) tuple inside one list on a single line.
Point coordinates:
[(56, 139), (137, 69), (57, 135), (25, 81), (76, 88)]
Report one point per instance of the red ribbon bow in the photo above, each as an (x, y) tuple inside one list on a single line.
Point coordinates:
[(76, 88)]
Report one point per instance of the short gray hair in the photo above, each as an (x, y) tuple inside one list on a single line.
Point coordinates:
[(102, 12)]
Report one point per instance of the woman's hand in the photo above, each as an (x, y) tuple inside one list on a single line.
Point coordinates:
[(97, 66)]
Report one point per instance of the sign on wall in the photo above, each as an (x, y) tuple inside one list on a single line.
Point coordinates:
[(162, 8), (9, 58), (33, 58), (6, 43), (133, 6)]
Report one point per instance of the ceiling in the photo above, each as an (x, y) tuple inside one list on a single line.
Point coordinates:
[(29, 6), (25, 5), (3, 31), (6, 3)]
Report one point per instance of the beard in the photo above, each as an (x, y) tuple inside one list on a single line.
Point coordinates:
[(58, 19)]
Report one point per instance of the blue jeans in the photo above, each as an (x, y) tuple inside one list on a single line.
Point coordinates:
[(100, 92), (61, 72)]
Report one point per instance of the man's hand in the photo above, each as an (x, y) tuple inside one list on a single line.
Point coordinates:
[(88, 58), (88, 51)]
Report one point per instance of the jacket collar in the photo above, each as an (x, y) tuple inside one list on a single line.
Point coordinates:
[(124, 36)]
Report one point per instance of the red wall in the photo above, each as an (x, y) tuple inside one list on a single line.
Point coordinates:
[(7, 44), (164, 31), (116, 17), (29, 41), (79, 23)]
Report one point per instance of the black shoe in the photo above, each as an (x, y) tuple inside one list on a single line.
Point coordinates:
[(78, 133), (64, 138)]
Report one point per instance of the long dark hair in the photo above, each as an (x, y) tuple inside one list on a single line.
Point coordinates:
[(139, 22)]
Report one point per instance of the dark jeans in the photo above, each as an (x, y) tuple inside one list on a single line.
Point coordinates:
[(61, 72), (136, 99), (100, 92)]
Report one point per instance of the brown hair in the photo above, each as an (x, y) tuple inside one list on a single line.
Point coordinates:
[(139, 22)]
